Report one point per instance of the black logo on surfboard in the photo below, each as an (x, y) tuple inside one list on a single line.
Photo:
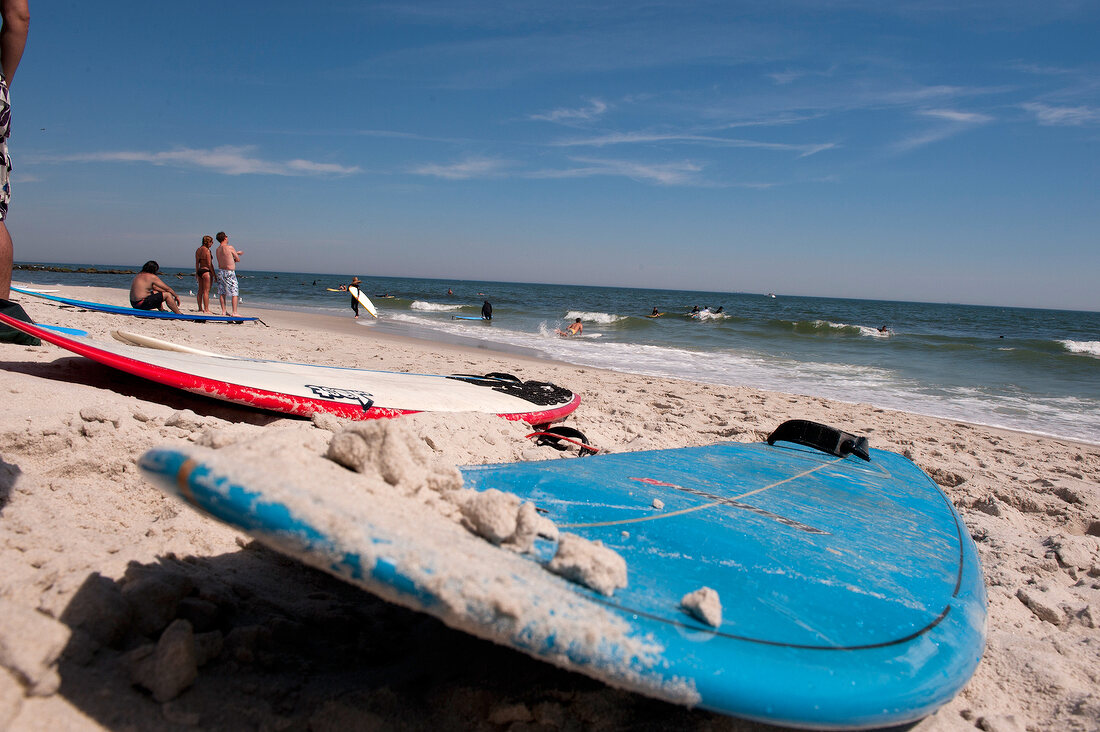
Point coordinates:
[(327, 392)]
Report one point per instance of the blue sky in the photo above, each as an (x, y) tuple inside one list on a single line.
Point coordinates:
[(935, 151)]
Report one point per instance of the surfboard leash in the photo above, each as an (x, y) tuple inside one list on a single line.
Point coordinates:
[(555, 436)]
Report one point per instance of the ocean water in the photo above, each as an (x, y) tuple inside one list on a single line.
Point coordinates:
[(1025, 369)]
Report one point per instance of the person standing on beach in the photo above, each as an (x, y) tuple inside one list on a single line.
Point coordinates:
[(355, 281), (227, 272), (16, 18), (486, 311), (204, 273)]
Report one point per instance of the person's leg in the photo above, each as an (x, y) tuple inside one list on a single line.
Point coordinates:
[(233, 288), (7, 253), (11, 309), (221, 292), (219, 279), (172, 303)]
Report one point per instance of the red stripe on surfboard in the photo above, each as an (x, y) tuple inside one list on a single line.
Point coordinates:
[(248, 395)]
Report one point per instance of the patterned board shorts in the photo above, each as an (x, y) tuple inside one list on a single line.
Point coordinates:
[(5, 159), (227, 283)]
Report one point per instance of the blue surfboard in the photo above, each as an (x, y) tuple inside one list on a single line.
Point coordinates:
[(119, 310), (851, 592), (469, 317), (64, 330)]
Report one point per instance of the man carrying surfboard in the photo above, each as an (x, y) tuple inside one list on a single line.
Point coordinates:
[(227, 272), (13, 39), (355, 281)]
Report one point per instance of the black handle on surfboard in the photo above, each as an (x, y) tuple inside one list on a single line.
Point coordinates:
[(821, 437)]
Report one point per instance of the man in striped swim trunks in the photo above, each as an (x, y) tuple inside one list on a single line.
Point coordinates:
[(227, 271), (13, 39)]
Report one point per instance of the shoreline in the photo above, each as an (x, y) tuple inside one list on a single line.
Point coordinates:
[(310, 320), (78, 526)]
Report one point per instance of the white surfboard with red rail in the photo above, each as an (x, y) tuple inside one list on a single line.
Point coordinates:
[(307, 389)]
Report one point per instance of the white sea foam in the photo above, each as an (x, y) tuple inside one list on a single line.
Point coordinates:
[(708, 315), (1089, 348), (877, 385), (433, 306), (838, 326), (601, 318)]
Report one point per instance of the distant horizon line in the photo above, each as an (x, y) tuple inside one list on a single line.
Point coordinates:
[(565, 284)]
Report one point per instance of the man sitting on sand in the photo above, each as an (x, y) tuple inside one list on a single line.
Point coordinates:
[(148, 292)]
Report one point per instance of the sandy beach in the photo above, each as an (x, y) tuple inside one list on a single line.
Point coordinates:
[(98, 563)]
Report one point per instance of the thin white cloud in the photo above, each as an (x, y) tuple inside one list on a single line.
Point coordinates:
[(922, 93), (676, 173), (954, 115), (595, 109), (635, 138), (465, 169), (400, 136), (952, 122), (924, 138), (669, 174), (227, 160), (782, 78), (1039, 70), (785, 77), (1051, 116), (779, 120)]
